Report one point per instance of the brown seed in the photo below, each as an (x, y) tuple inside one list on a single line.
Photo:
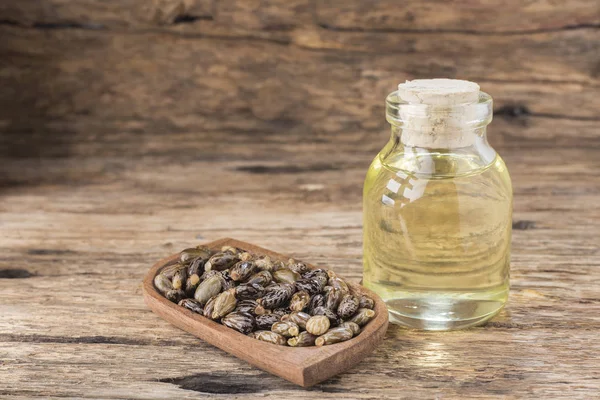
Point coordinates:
[(365, 302), (333, 317), (224, 304), (299, 301), (179, 278), (285, 275), (162, 283), (277, 297), (362, 316), (299, 318), (334, 335), (316, 301), (262, 278), (242, 270), (220, 262), (228, 283), (249, 291), (196, 267), (298, 267), (191, 284), (287, 329), (348, 306), (269, 336), (339, 284), (317, 325), (208, 288), (175, 295), (192, 305), (170, 270), (264, 263), (246, 306), (304, 339), (265, 322), (310, 285), (209, 307), (188, 255), (352, 326), (231, 250), (333, 298), (241, 322)]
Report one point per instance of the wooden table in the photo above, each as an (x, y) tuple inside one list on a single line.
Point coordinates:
[(124, 140)]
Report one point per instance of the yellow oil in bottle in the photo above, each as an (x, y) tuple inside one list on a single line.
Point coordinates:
[(437, 231)]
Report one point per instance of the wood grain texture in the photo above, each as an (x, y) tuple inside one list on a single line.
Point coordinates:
[(304, 366), (132, 129)]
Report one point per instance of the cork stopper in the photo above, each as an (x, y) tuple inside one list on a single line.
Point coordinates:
[(439, 92), (438, 112)]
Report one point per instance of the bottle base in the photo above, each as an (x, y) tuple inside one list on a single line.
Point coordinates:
[(441, 314)]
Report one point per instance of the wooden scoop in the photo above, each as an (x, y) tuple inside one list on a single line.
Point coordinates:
[(304, 366)]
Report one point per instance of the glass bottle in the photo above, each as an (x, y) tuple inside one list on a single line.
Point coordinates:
[(437, 209)]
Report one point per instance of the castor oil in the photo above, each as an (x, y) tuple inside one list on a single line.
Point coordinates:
[(437, 210)]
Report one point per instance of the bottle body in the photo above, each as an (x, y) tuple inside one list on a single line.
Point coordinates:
[(437, 232)]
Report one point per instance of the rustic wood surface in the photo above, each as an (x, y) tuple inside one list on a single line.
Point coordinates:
[(304, 366), (132, 129)]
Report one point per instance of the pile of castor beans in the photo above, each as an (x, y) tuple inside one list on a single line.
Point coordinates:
[(284, 303)]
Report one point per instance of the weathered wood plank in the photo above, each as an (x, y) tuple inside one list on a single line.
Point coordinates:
[(102, 14), (506, 16)]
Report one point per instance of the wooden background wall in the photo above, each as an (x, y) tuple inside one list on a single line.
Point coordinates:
[(88, 76)]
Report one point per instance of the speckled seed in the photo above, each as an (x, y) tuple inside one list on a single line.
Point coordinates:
[(264, 263), (208, 288), (365, 302), (170, 270), (265, 322), (334, 335), (220, 262), (230, 250), (298, 267), (175, 295), (191, 305), (310, 285), (285, 275), (179, 278), (304, 339), (224, 304), (246, 306), (241, 322), (228, 283), (242, 270), (348, 306), (162, 283), (318, 300), (339, 284), (277, 297), (299, 301), (333, 317), (317, 325), (287, 329), (262, 278), (187, 255), (209, 307), (362, 316), (249, 291), (269, 336), (299, 318), (277, 264), (191, 284), (245, 256), (196, 267), (333, 298), (352, 326)]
